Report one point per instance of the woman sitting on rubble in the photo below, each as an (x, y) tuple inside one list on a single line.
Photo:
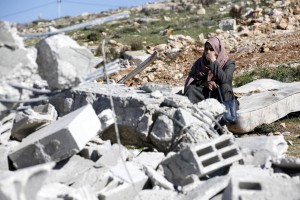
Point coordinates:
[(211, 70)]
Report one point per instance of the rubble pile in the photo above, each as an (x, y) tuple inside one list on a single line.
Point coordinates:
[(94, 141)]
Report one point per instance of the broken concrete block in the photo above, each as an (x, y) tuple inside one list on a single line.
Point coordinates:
[(201, 159), (62, 62), (30, 120), (59, 140), (262, 185), (208, 189), (133, 182), (95, 148), (258, 150), (114, 156), (23, 184), (57, 191)]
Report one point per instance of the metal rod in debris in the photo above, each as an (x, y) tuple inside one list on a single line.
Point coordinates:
[(111, 68), (141, 67)]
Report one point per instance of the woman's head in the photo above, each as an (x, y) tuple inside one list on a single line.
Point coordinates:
[(216, 46)]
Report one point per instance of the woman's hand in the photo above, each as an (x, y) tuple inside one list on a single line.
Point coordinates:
[(211, 57), (211, 85)]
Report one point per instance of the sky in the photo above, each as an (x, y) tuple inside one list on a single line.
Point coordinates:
[(23, 11)]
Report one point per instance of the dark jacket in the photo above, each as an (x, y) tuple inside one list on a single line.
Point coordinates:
[(223, 77)]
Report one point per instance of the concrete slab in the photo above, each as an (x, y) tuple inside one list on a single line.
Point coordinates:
[(265, 107)]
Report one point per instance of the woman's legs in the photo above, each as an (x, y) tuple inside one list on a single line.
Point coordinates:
[(195, 93)]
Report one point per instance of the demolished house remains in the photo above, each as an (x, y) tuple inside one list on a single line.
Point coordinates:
[(63, 135)]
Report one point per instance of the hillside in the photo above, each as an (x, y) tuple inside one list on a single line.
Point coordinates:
[(265, 34)]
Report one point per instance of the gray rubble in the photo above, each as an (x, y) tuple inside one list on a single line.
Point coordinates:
[(108, 141)]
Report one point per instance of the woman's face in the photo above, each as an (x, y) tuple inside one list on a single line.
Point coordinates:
[(209, 50)]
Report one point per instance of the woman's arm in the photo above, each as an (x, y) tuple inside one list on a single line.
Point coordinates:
[(224, 75)]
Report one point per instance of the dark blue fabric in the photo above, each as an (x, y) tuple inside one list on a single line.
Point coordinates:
[(231, 110)]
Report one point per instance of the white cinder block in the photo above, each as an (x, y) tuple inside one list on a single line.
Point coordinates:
[(59, 140)]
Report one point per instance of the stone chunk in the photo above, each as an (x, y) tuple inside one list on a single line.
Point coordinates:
[(258, 150), (126, 190), (59, 140), (62, 62), (9, 36), (23, 184), (113, 157), (30, 120)]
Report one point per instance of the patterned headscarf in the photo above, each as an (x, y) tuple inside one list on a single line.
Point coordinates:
[(201, 64)]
